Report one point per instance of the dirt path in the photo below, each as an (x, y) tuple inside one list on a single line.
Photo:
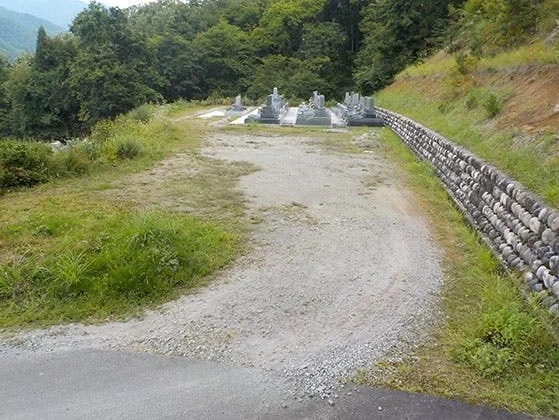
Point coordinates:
[(342, 271)]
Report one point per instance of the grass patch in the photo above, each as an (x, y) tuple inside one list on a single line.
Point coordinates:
[(442, 63), (85, 264), (461, 116), (492, 347), (98, 246)]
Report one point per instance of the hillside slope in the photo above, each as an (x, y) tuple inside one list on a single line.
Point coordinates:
[(59, 12), (505, 109), (18, 32)]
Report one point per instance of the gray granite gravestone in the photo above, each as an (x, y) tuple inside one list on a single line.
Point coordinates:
[(364, 114), (314, 112), (272, 112), (358, 110), (237, 107)]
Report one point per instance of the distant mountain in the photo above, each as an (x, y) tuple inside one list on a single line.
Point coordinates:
[(59, 12), (18, 32)]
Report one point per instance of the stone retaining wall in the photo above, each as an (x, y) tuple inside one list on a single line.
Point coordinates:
[(522, 231)]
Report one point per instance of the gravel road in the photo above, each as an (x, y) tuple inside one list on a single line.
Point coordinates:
[(341, 272)]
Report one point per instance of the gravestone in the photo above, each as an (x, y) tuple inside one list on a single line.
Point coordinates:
[(347, 99), (238, 104), (272, 112), (314, 112), (237, 107), (364, 114), (358, 110)]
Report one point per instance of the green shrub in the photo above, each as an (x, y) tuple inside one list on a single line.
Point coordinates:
[(127, 148), (24, 163), (466, 63), (88, 149), (103, 131), (74, 161), (492, 105), (143, 113)]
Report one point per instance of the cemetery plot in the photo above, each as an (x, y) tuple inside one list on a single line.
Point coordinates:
[(356, 111)]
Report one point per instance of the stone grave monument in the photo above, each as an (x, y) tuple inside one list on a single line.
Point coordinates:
[(358, 111), (314, 112), (272, 112), (237, 107)]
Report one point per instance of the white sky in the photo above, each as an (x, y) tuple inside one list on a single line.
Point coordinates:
[(124, 3)]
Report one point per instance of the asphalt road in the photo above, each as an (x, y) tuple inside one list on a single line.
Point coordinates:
[(94, 384)]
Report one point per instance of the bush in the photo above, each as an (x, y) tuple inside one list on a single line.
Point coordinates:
[(143, 113), (127, 148), (492, 105), (103, 131), (24, 164), (73, 161), (466, 63)]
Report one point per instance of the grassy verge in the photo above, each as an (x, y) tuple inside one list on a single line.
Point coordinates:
[(492, 346), (472, 109), (442, 63), (115, 240)]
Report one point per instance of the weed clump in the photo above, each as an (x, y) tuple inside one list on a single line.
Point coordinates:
[(24, 163), (128, 261), (143, 113), (127, 148), (505, 339), (492, 105)]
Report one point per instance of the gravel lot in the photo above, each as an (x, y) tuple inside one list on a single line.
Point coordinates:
[(342, 271)]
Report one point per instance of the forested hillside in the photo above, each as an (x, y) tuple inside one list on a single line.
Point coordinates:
[(114, 60), (18, 32)]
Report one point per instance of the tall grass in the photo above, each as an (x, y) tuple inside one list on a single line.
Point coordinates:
[(79, 264)]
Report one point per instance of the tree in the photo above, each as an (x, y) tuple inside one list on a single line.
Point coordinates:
[(113, 71), (4, 104), (16, 87), (280, 30), (326, 43), (49, 101), (295, 78), (177, 65), (174, 17), (226, 57), (397, 32)]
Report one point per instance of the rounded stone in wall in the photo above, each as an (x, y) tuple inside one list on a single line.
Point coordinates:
[(553, 221), (542, 215), (548, 236), (537, 287), (554, 264), (535, 225)]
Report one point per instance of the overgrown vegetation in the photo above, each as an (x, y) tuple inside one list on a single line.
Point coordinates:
[(27, 163), (491, 346), (94, 264), (468, 109), (71, 252)]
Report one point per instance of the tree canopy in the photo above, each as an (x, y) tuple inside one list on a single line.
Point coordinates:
[(113, 60)]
